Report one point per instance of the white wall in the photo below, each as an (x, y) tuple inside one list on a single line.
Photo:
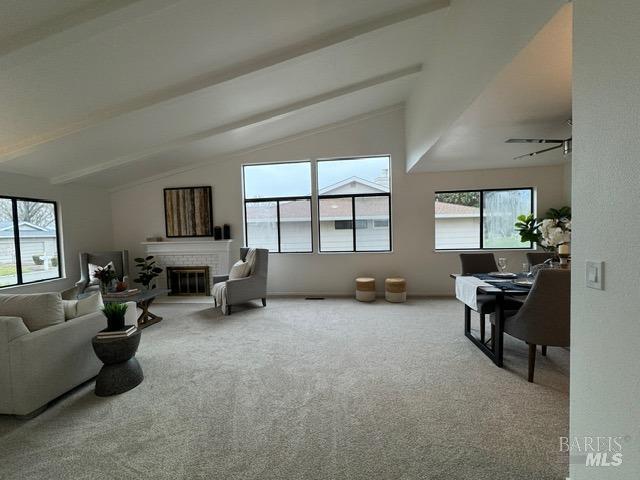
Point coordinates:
[(605, 331), (477, 39), (138, 211), (85, 215)]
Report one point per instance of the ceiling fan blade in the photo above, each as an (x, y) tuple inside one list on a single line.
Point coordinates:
[(538, 152), (532, 140)]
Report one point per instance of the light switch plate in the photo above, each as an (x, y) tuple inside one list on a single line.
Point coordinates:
[(595, 272)]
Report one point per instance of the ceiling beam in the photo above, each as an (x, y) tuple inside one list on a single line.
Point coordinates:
[(253, 120), (217, 77), (80, 24)]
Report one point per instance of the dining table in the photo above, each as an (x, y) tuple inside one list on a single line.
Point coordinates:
[(498, 288)]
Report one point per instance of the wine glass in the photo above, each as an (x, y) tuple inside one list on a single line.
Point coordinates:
[(502, 263)]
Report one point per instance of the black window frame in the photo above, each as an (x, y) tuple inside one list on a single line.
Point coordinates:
[(353, 197), (16, 239), (482, 191), (277, 200)]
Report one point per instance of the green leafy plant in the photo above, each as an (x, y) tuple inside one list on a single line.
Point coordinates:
[(563, 213), (148, 271), (115, 313), (528, 227)]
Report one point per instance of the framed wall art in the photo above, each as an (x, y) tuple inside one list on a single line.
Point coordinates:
[(188, 212)]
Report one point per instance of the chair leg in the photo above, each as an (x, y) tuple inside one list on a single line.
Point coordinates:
[(482, 323), (264, 302), (544, 350), (532, 360)]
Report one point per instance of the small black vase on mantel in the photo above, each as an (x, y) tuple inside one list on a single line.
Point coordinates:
[(217, 233), (226, 231)]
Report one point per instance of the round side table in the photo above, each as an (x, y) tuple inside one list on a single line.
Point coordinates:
[(121, 371)]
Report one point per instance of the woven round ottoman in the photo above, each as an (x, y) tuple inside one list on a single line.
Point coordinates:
[(365, 289), (395, 290)]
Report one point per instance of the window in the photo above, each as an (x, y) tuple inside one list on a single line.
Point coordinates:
[(277, 207), (348, 224), (480, 219), (354, 192), (29, 241)]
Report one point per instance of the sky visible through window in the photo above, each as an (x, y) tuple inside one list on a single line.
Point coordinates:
[(294, 179)]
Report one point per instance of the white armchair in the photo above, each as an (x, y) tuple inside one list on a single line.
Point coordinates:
[(36, 367)]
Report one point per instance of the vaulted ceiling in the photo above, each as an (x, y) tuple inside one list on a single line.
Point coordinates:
[(108, 92), (103, 92)]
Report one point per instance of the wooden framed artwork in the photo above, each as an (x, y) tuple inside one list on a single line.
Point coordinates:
[(188, 212)]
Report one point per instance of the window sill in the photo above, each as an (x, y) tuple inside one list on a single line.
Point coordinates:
[(485, 250), (30, 284)]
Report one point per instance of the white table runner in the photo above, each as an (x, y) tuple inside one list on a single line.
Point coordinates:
[(467, 290)]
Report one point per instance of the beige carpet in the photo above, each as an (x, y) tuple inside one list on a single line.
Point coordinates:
[(329, 389)]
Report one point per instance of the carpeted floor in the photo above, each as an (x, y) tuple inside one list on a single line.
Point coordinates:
[(330, 389)]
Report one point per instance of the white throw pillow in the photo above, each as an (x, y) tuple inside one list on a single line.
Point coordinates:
[(37, 310), (84, 306), (92, 303), (70, 309), (240, 269), (93, 268)]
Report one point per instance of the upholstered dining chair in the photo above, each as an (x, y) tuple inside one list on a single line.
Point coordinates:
[(536, 258), (120, 259), (544, 318), (472, 263), (241, 290)]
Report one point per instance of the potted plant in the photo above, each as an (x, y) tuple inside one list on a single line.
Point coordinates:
[(115, 313), (106, 276), (148, 271), (549, 232)]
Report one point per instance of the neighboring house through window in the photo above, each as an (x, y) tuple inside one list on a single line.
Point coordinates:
[(351, 192), (29, 241), (481, 219), (354, 191)]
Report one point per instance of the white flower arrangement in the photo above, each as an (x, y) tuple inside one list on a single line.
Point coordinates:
[(555, 232)]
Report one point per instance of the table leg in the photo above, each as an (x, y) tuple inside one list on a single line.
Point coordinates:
[(147, 318), (499, 330), (467, 319)]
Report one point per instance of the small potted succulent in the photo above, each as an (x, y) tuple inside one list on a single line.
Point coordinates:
[(115, 313)]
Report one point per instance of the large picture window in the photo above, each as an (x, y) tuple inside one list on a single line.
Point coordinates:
[(29, 241), (354, 204), (277, 207), (481, 219)]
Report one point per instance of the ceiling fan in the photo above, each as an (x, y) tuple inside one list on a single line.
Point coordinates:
[(565, 144)]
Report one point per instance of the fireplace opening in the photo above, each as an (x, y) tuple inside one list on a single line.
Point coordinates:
[(188, 281)]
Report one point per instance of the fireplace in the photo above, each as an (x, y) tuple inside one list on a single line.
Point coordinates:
[(188, 281)]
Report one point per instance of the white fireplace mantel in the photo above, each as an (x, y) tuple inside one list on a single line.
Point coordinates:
[(188, 247), (215, 254)]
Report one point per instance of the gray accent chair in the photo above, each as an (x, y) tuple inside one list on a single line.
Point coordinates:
[(544, 318), (472, 263), (120, 259), (241, 290), (536, 258)]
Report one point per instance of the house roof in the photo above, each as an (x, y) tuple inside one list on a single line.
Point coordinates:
[(27, 230), (372, 185), (330, 209), (340, 208), (444, 210)]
